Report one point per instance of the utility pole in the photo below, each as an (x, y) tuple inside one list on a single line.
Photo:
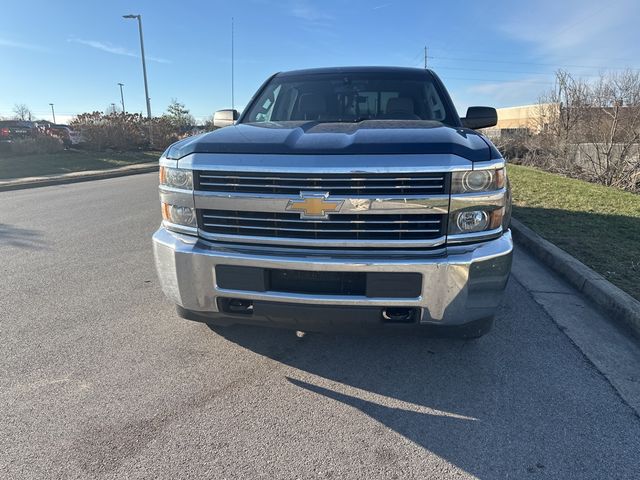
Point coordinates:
[(144, 64), (232, 99), (122, 97), (53, 113), (426, 50), (144, 74), (113, 108)]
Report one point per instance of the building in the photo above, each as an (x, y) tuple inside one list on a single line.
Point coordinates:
[(523, 119)]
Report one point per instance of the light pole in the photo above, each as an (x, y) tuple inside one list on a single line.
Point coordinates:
[(53, 113), (122, 97), (144, 65)]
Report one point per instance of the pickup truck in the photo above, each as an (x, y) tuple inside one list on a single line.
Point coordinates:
[(11, 130), (340, 199)]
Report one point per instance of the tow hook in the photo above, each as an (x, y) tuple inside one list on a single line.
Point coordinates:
[(399, 314)]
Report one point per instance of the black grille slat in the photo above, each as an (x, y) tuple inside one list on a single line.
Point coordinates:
[(336, 227), (334, 184)]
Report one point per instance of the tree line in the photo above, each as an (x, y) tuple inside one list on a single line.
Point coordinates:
[(585, 129)]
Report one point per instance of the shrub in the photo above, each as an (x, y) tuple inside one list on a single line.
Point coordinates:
[(39, 144), (114, 131), (130, 131), (164, 132)]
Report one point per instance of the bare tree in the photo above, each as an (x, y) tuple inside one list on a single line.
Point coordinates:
[(588, 130), (21, 112), (612, 129)]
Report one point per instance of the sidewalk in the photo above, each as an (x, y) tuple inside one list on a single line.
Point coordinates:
[(33, 182)]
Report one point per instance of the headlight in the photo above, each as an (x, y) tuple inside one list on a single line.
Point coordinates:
[(473, 181), (185, 216), (176, 178)]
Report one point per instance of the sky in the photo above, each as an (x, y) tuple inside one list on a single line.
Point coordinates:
[(500, 53)]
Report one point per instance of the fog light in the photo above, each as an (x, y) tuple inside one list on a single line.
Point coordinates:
[(179, 215), (472, 221)]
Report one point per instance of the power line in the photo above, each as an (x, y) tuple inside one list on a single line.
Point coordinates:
[(533, 63), (501, 71), (501, 54), (502, 80)]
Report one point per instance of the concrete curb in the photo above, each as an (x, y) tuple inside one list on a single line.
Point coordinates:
[(33, 182), (619, 305)]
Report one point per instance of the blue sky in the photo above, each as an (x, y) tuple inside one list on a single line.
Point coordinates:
[(499, 53)]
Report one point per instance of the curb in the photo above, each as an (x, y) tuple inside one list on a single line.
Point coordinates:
[(34, 182), (618, 304)]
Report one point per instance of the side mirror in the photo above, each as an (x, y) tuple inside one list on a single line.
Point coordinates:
[(224, 118), (480, 117)]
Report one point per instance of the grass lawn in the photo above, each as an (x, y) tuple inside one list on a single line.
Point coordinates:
[(598, 225), (68, 161)]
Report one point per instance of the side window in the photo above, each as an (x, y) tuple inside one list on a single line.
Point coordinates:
[(266, 109)]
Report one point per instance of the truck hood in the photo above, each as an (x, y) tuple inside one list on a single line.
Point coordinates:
[(368, 137)]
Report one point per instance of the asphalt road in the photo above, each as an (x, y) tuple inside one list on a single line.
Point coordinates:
[(100, 379)]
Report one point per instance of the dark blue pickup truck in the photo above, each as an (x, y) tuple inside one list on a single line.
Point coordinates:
[(340, 199)]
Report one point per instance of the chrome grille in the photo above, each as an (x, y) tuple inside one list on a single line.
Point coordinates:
[(338, 227), (335, 184)]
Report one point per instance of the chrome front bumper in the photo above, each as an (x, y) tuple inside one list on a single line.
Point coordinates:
[(460, 284)]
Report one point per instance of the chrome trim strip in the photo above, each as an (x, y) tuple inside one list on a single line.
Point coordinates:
[(489, 165), (303, 242), (180, 228), (275, 203), (322, 187), (176, 196), (300, 220), (165, 162), (319, 164), (321, 299), (326, 252), (495, 199), (474, 237)]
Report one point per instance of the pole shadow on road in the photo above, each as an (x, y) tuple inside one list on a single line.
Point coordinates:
[(21, 237), (520, 401)]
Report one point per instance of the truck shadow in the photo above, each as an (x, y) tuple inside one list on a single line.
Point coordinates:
[(504, 406), (21, 237)]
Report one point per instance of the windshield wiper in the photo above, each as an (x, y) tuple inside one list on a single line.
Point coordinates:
[(343, 120)]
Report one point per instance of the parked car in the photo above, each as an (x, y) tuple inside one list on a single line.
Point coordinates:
[(62, 132), (76, 137), (11, 130), (341, 198)]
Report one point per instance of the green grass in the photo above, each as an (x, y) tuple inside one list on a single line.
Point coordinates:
[(598, 225), (68, 161)]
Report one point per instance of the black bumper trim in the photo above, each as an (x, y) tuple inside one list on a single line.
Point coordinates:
[(333, 319)]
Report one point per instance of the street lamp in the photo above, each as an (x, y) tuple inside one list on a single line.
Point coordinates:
[(122, 97), (144, 65), (53, 113)]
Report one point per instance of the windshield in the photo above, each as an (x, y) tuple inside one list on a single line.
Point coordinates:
[(345, 97)]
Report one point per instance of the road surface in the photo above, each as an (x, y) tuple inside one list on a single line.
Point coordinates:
[(100, 379)]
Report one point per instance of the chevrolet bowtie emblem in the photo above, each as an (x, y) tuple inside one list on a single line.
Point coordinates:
[(314, 205)]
